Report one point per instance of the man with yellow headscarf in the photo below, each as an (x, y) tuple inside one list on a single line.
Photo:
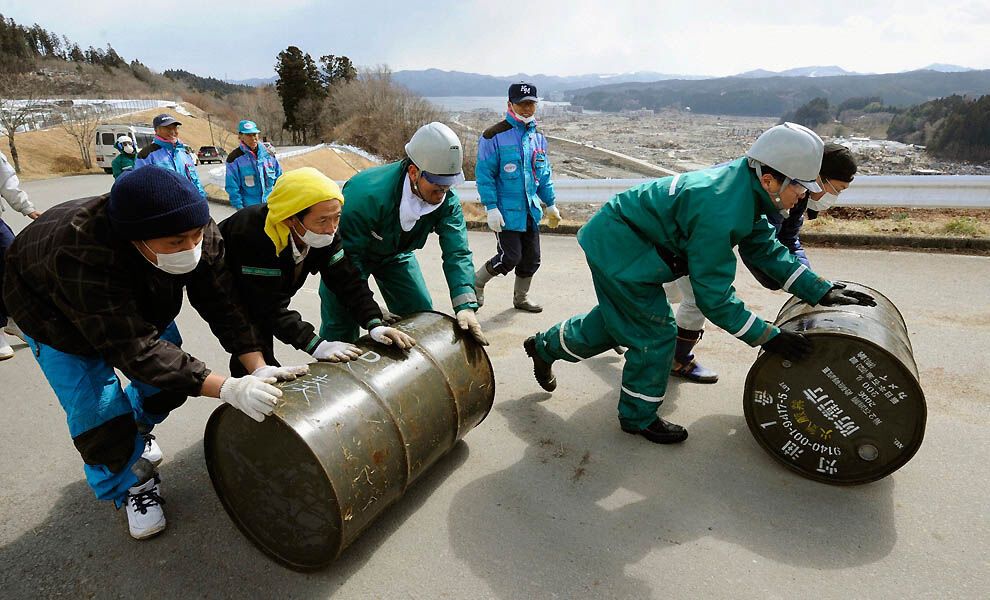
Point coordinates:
[(271, 250)]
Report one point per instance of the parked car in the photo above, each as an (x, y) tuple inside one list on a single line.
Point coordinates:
[(107, 134), (208, 154)]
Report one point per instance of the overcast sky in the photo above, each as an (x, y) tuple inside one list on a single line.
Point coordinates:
[(239, 39)]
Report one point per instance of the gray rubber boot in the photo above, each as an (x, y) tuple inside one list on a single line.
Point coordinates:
[(519, 296), (481, 277)]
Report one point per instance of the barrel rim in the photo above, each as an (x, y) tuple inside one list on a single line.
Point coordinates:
[(208, 441)]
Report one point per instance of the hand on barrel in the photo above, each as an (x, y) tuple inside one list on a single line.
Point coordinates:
[(468, 321), (389, 317), (839, 295), (281, 373), (792, 346), (336, 351), (391, 335), (253, 396)]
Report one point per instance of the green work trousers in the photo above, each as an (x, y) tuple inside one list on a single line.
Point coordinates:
[(402, 285), (632, 311)]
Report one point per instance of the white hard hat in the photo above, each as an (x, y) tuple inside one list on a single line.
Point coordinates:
[(124, 139), (436, 151), (792, 150)]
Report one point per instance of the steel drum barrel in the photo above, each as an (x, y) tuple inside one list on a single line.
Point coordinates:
[(852, 412), (347, 440)]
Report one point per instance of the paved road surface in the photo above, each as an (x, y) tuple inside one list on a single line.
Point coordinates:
[(547, 498)]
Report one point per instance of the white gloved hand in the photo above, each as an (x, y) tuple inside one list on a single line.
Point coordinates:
[(553, 216), (281, 373), (336, 351), (251, 395), (468, 321), (391, 335), (495, 220)]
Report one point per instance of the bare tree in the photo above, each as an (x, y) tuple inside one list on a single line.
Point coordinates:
[(81, 122), (18, 107), (265, 108)]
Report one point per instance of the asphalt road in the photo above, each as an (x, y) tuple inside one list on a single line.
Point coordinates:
[(547, 498)]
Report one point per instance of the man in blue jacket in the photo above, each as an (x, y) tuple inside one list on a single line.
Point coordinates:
[(251, 169), (168, 152), (513, 176)]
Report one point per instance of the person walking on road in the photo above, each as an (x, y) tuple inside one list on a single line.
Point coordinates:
[(252, 169), (96, 284), (689, 224), (11, 192), (124, 161), (168, 152), (513, 175), (272, 248), (389, 214)]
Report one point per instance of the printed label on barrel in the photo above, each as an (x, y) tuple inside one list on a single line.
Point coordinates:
[(849, 414)]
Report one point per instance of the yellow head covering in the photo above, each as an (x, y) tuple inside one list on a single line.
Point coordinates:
[(294, 191)]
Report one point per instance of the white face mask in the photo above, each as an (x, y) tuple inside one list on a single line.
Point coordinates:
[(178, 263), (316, 240), (526, 120), (824, 203), (128, 149)]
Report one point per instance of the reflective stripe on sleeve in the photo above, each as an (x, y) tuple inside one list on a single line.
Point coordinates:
[(790, 280), (745, 328)]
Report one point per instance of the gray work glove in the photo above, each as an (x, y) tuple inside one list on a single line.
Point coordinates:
[(390, 335), (839, 295), (468, 321), (792, 346), (251, 395)]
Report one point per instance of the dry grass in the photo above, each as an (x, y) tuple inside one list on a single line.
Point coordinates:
[(52, 152)]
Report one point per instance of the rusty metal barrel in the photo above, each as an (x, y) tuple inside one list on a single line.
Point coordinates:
[(347, 440), (851, 413)]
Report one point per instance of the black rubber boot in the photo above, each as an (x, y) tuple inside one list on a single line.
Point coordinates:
[(661, 432), (685, 365), (541, 369)]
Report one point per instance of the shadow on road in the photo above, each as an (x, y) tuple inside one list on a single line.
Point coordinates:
[(83, 549), (587, 503)]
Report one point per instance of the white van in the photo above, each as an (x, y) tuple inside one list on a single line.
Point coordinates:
[(107, 134)]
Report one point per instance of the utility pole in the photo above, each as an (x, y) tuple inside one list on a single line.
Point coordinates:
[(210, 121)]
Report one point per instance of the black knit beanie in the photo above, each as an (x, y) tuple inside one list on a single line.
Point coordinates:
[(153, 202), (838, 163)]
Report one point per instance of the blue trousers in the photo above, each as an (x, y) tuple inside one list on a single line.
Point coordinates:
[(6, 239), (519, 250), (106, 421)]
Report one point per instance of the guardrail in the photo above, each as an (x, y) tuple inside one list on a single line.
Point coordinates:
[(914, 191)]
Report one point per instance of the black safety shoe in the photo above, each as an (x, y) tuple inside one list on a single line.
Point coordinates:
[(661, 432), (541, 368)]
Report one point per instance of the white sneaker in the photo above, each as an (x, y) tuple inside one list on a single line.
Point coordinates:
[(12, 329), (145, 517), (5, 350), (152, 452)]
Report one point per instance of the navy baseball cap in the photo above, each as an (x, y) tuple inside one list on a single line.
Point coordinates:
[(521, 92), (165, 119)]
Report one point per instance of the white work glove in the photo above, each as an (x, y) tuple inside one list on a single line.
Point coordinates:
[(336, 351), (553, 216), (468, 321), (280, 373), (495, 220), (251, 395), (390, 335)]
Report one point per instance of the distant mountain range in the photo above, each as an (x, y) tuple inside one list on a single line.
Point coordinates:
[(773, 96)]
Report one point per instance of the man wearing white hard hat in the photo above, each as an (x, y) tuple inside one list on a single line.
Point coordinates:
[(689, 224), (389, 213)]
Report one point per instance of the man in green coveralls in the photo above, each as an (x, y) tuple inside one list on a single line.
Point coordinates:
[(689, 224), (389, 213)]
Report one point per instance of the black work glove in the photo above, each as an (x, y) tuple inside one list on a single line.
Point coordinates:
[(389, 317), (792, 346), (839, 295)]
